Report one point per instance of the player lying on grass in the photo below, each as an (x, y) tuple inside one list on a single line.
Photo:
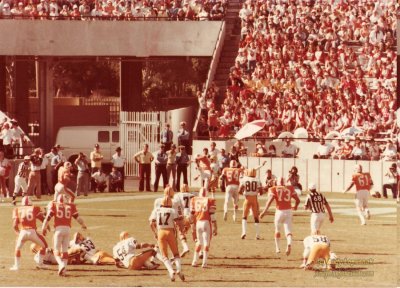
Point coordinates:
[(49, 257), (127, 255), (85, 247), (317, 247)]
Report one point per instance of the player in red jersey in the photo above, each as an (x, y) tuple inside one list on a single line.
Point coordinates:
[(63, 213), (363, 182), (204, 224), (204, 166), (231, 175), (24, 223), (283, 196)]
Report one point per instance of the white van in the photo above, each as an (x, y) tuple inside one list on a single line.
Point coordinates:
[(75, 139)]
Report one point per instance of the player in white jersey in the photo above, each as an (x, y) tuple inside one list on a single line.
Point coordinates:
[(250, 187), (183, 200), (88, 251), (317, 247), (49, 257), (127, 254), (162, 223)]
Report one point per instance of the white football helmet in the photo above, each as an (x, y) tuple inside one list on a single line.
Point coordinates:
[(251, 172), (358, 168), (184, 188), (124, 235), (312, 186), (233, 164), (26, 201), (61, 199), (168, 191)]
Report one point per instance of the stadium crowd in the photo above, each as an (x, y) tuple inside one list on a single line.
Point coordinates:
[(112, 9), (319, 65)]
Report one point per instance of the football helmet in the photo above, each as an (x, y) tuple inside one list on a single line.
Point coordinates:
[(124, 235), (184, 188), (26, 201), (312, 186), (358, 168), (166, 202), (233, 164), (168, 191), (67, 165), (251, 172), (78, 237), (61, 199)]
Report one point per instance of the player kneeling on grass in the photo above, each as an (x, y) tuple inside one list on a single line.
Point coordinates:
[(88, 252), (250, 187), (126, 256), (24, 223), (283, 214), (363, 183), (203, 210), (183, 198), (63, 213), (317, 247), (162, 223)]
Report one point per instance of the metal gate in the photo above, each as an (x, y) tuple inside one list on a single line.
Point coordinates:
[(137, 129)]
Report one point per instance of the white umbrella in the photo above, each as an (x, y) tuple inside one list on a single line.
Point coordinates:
[(352, 131), (250, 129)]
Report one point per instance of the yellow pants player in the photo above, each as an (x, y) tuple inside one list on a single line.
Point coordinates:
[(317, 247)]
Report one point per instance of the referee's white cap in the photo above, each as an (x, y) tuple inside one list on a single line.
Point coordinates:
[(312, 186)]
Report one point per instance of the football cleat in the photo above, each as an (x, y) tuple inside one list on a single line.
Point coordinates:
[(61, 271), (14, 268), (181, 276), (243, 236), (288, 250), (302, 265), (368, 215), (363, 223), (194, 264), (40, 266), (183, 254), (225, 216), (204, 265), (258, 237), (277, 251), (172, 276)]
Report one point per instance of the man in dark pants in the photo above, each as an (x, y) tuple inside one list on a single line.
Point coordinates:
[(182, 160), (118, 161), (166, 137), (161, 167), (391, 181), (144, 158)]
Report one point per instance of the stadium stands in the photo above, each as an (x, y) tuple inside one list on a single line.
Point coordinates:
[(186, 10), (320, 65)]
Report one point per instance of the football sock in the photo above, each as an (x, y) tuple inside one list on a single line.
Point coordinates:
[(168, 265), (59, 260), (244, 226), (205, 255), (195, 256), (17, 261), (257, 229), (178, 264), (289, 239), (277, 243), (360, 214), (184, 245)]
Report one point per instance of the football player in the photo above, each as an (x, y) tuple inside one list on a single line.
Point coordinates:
[(317, 247), (126, 256), (214, 175), (250, 187), (162, 223), (24, 223), (64, 177), (204, 224), (283, 196), (63, 213), (231, 175), (363, 183), (183, 198), (50, 259), (204, 166), (88, 251)]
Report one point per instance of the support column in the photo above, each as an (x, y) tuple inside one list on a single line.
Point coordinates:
[(131, 85), (3, 85), (21, 82), (44, 74)]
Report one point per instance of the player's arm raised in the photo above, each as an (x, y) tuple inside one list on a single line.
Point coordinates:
[(349, 187)]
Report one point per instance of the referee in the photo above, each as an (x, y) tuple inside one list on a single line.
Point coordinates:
[(316, 202)]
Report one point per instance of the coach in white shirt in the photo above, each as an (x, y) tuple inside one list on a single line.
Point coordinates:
[(118, 161)]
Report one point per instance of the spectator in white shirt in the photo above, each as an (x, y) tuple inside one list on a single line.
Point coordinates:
[(324, 150), (289, 150), (100, 181), (118, 161)]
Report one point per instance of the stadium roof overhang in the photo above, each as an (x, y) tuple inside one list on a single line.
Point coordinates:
[(111, 39)]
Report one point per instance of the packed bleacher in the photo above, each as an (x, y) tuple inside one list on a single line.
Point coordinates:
[(319, 65), (179, 10)]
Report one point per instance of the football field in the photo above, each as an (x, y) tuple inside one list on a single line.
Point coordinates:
[(368, 254)]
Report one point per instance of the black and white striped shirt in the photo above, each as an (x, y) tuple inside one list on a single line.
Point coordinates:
[(316, 201)]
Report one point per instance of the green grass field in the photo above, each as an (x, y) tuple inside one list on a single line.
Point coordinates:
[(368, 253)]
